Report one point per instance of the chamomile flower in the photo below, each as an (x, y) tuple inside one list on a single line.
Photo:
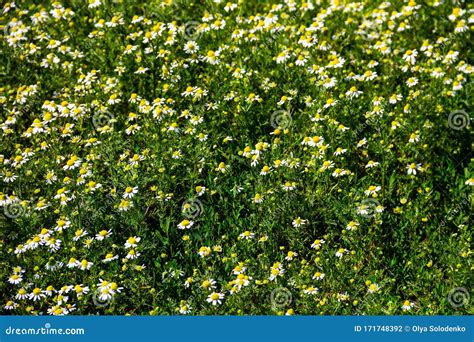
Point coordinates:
[(36, 294), (298, 222), (310, 290), (372, 190), (318, 276), (413, 168), (407, 305), (185, 224), (215, 298), (340, 252), (247, 235), (318, 243), (132, 242), (129, 192)]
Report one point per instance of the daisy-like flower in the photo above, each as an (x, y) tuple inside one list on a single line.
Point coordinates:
[(188, 282), (204, 251), (105, 295), (410, 56), (317, 243), (221, 167), (62, 224), (132, 242), (311, 290), (339, 151), (103, 234), (247, 235), (9, 177), (200, 190), (124, 205), (129, 192), (85, 265), (372, 190), (407, 305), (371, 164), (291, 255), (362, 142), (208, 284), (318, 276), (57, 310), (353, 92), (470, 182), (327, 164), (10, 305), (242, 280), (15, 279), (288, 186), (132, 254), (53, 244), (276, 270), (340, 252), (94, 3), (298, 222), (37, 294), (49, 291), (92, 186), (72, 163), (282, 57), (352, 225), (73, 262), (212, 57), (64, 290), (258, 198), (184, 309), (191, 47), (240, 268), (342, 297), (215, 298), (330, 103), (373, 288), (395, 98), (79, 234), (185, 224), (109, 257), (411, 82), (81, 290), (21, 294), (265, 170), (412, 168)]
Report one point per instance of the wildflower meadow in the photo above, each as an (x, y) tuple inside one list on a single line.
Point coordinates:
[(236, 158)]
